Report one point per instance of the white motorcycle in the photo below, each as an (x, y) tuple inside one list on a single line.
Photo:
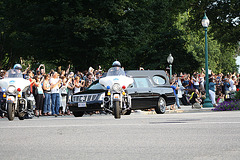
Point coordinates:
[(16, 91), (117, 82)]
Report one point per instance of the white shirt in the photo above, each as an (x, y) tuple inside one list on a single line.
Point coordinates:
[(77, 89), (232, 86), (196, 81), (53, 81), (63, 89)]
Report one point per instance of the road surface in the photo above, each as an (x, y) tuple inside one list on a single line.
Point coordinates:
[(197, 136)]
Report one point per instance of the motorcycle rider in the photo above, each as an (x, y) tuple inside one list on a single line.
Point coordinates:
[(115, 70), (17, 102), (116, 64), (116, 81), (17, 66), (18, 69)]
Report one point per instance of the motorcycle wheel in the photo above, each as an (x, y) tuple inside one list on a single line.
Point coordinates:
[(161, 106), (116, 110), (10, 111), (78, 114)]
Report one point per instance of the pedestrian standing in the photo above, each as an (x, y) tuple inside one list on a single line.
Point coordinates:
[(174, 86), (38, 97), (196, 81), (212, 90), (78, 85), (63, 95), (55, 83), (47, 95)]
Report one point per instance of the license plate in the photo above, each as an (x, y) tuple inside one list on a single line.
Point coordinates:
[(11, 98), (116, 96), (82, 105)]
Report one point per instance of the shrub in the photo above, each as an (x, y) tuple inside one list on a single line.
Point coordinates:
[(237, 95), (228, 106)]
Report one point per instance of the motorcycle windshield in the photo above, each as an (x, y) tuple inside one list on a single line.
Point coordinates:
[(116, 71), (13, 73)]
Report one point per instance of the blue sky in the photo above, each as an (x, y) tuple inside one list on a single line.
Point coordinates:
[(238, 63)]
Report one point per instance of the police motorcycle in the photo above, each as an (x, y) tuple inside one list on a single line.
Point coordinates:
[(117, 97), (15, 94)]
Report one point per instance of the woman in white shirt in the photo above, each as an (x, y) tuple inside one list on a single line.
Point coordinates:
[(78, 85), (196, 81)]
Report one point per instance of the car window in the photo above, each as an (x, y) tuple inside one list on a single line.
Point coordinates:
[(96, 86), (141, 83), (159, 79)]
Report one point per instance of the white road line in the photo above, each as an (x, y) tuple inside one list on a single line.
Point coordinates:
[(102, 125)]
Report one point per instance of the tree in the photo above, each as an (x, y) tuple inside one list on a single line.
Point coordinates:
[(91, 32), (224, 18), (221, 58)]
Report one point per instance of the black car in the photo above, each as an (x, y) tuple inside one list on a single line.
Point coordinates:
[(151, 89), (90, 100)]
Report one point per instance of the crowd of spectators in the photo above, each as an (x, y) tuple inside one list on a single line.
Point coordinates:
[(52, 90), (190, 89)]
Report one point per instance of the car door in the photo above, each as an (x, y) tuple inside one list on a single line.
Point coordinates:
[(141, 93)]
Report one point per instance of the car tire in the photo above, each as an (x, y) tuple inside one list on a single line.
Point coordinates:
[(128, 112), (21, 116), (78, 114), (10, 111), (161, 106), (116, 110)]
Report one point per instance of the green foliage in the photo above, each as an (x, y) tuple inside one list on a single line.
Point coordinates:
[(91, 32), (221, 58), (237, 95), (223, 16)]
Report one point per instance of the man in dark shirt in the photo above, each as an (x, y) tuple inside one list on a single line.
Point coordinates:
[(195, 100)]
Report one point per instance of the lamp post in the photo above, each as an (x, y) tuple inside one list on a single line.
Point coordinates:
[(170, 61), (205, 24)]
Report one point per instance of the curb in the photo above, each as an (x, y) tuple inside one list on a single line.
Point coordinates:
[(179, 111)]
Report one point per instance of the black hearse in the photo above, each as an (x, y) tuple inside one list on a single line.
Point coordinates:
[(151, 89)]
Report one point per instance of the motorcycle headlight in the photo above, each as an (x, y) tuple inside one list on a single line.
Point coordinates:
[(101, 97), (116, 87), (11, 89)]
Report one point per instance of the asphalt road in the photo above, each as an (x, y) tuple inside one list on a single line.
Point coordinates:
[(195, 136)]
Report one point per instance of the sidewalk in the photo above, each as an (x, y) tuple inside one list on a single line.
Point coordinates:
[(184, 109)]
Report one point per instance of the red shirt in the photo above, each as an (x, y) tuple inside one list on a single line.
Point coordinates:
[(31, 85)]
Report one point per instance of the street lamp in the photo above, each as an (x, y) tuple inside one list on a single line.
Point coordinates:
[(170, 61), (205, 24)]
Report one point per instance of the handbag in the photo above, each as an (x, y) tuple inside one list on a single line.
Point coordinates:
[(176, 91), (63, 91), (35, 90), (196, 105)]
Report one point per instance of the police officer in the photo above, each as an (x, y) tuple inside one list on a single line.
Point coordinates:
[(18, 69), (17, 66), (116, 64)]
